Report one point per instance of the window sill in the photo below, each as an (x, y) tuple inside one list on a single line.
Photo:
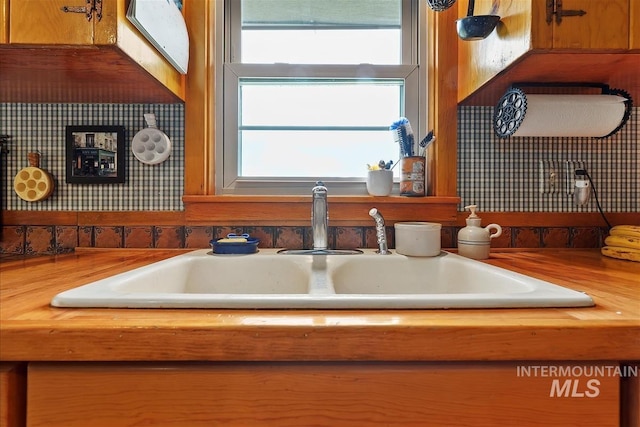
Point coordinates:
[(296, 210)]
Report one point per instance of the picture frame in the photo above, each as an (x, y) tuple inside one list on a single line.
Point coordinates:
[(95, 154)]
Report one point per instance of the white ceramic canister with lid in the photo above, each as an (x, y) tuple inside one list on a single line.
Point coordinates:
[(418, 238)]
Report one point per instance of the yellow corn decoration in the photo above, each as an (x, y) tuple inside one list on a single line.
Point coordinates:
[(625, 230), (621, 253), (623, 241)]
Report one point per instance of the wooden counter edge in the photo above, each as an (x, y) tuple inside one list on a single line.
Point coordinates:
[(592, 341)]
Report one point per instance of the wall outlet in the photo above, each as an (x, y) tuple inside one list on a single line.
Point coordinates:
[(571, 167), (550, 176)]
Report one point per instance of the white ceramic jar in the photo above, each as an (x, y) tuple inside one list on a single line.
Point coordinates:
[(474, 241), (380, 182), (418, 238)]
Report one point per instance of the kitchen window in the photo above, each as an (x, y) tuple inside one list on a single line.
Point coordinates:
[(310, 88)]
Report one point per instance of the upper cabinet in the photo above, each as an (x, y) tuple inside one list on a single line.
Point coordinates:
[(58, 51), (55, 22), (580, 24), (551, 41), (634, 25), (4, 21)]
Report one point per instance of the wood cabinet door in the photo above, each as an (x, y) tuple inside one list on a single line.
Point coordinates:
[(13, 384), (318, 394), (4, 21), (634, 24), (44, 22), (604, 26)]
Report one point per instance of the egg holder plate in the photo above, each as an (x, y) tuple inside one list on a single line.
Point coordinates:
[(33, 184), (151, 146)]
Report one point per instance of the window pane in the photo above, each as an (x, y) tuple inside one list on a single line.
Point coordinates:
[(321, 32), (312, 154), (321, 47), (372, 13), (316, 128), (319, 103)]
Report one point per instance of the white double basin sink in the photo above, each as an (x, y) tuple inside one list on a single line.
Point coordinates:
[(269, 280)]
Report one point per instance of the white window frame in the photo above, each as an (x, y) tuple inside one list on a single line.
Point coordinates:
[(228, 73)]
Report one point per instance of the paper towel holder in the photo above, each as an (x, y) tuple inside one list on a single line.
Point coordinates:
[(512, 106)]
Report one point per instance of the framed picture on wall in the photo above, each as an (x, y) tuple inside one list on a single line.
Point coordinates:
[(95, 154)]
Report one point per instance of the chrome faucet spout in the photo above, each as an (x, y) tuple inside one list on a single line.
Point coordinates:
[(320, 216)]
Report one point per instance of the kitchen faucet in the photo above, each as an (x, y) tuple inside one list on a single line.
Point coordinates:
[(320, 228), (320, 216)]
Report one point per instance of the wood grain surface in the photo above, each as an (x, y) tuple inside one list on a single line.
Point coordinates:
[(310, 394), (30, 329)]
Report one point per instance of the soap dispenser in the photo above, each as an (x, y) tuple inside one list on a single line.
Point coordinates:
[(475, 241)]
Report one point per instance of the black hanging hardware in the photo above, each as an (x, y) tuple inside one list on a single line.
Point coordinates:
[(554, 7), (87, 9), (4, 139)]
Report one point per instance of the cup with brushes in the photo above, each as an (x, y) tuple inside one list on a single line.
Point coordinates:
[(380, 178), (412, 157)]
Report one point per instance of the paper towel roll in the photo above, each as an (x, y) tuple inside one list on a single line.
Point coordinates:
[(570, 115)]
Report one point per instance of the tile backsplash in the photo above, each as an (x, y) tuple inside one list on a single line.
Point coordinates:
[(499, 175), (41, 239), (496, 174), (41, 127), (502, 175)]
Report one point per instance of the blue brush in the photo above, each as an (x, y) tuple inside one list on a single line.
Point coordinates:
[(403, 135), (424, 144)]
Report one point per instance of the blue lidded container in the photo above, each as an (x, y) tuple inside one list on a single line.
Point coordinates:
[(243, 244)]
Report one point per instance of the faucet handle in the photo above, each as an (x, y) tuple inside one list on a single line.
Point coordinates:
[(319, 188)]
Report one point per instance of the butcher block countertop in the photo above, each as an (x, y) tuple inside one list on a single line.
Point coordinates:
[(32, 330)]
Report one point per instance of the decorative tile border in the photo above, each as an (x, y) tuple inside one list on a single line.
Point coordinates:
[(49, 239)]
